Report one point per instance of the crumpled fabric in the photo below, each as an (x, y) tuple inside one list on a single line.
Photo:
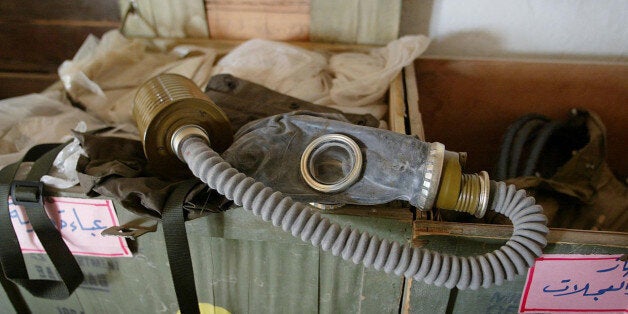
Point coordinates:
[(104, 74), (33, 119), (63, 172), (116, 167), (285, 68), (362, 79), (244, 101), (351, 82)]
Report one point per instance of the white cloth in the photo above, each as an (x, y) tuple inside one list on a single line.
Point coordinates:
[(288, 69), (350, 82), (33, 119), (361, 79), (104, 74)]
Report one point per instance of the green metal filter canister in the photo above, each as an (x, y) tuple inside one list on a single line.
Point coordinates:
[(167, 104)]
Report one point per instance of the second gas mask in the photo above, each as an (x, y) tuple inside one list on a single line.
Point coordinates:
[(324, 160)]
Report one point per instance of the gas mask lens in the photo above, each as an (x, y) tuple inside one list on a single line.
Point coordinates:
[(331, 163)]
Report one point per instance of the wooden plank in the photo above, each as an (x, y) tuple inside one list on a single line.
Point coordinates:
[(399, 212), (378, 21), (468, 104), (334, 21), (270, 19), (424, 298), (165, 18), (355, 21), (41, 48), (345, 287), (223, 46), (413, 291), (78, 10), (16, 84), (407, 296), (238, 224), (422, 228), (397, 106), (412, 101)]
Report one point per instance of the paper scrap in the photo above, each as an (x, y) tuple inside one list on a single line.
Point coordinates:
[(80, 222), (576, 283)]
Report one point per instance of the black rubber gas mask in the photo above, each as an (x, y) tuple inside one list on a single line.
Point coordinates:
[(322, 159)]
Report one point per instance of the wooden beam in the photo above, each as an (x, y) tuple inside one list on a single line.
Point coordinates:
[(397, 106), (16, 84), (92, 10), (422, 229), (355, 21), (412, 100), (27, 47), (270, 19)]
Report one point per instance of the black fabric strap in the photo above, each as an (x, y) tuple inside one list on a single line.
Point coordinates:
[(178, 249), (30, 194), (15, 296)]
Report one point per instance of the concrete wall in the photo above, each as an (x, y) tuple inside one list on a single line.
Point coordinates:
[(579, 30)]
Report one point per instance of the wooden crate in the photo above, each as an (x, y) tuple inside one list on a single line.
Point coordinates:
[(246, 265)]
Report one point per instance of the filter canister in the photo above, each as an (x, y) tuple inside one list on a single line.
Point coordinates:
[(168, 102)]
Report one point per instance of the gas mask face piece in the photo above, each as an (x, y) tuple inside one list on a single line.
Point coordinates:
[(323, 159)]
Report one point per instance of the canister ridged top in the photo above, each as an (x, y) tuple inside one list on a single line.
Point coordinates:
[(158, 93)]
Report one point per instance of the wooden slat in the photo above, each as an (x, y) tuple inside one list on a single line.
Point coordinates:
[(270, 19), (412, 101), (407, 296), (223, 46), (483, 231), (390, 211), (378, 21), (78, 10), (16, 84), (41, 48), (165, 18), (397, 106), (468, 104), (355, 21)]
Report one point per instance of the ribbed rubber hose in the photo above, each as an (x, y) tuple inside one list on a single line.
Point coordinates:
[(502, 164), (511, 259), (521, 138)]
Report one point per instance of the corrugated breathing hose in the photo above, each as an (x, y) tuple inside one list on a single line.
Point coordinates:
[(513, 258), (501, 170)]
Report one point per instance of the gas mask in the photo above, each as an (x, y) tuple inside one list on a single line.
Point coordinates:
[(322, 159)]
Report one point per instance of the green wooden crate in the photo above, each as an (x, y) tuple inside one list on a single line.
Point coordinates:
[(246, 265)]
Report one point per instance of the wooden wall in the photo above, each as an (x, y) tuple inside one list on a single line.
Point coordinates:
[(37, 36)]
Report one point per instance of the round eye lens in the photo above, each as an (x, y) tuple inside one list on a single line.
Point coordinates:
[(331, 163)]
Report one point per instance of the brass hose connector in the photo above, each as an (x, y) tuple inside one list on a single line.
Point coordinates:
[(170, 108), (462, 192), (474, 192)]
